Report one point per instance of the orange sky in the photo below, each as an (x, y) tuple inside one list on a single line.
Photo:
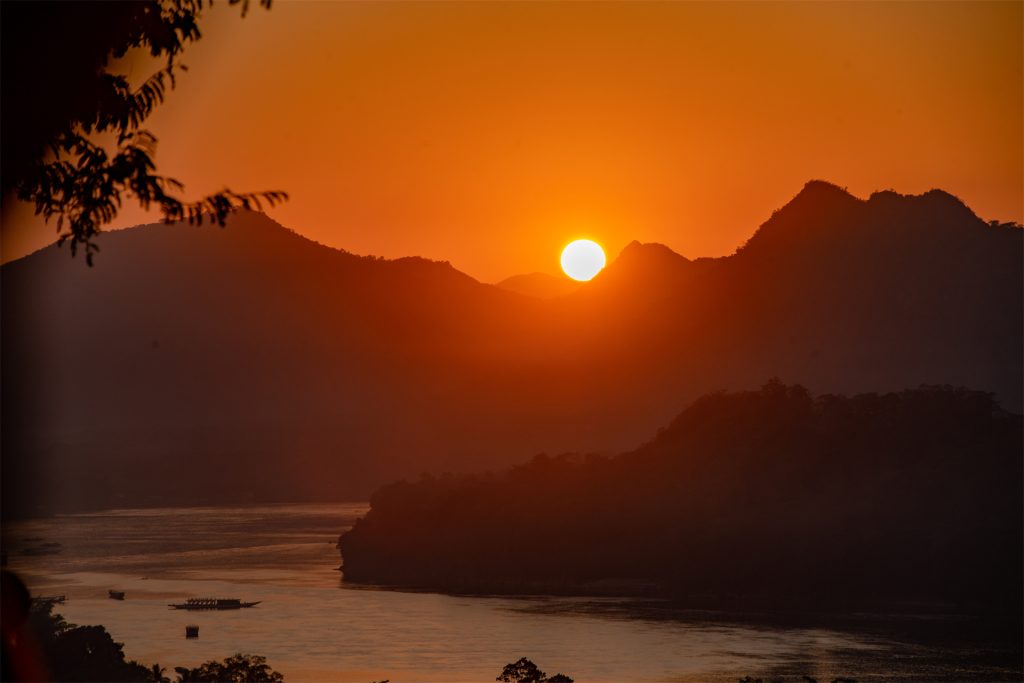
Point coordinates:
[(490, 134)]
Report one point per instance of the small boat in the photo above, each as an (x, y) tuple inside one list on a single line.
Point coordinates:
[(191, 631), (116, 595), (213, 603)]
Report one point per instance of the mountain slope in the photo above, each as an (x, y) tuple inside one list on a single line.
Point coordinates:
[(200, 365), (540, 285), (772, 494)]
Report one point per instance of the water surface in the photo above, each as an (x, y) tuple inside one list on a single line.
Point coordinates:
[(312, 627)]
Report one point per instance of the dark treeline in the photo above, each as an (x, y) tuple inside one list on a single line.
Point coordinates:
[(768, 494)]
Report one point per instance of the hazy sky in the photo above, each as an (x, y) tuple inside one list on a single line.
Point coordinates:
[(490, 134)]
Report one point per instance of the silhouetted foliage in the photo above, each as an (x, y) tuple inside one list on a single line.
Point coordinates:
[(770, 493), (157, 674), (525, 671), (89, 653), (521, 671), (59, 95), (239, 668), (81, 653)]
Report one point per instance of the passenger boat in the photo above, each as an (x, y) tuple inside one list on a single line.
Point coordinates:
[(213, 603)]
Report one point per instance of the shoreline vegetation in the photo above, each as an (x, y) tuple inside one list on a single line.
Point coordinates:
[(48, 648), (723, 508)]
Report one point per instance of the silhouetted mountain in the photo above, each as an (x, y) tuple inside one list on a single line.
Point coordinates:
[(770, 494), (639, 261), (540, 285), (196, 364), (200, 365)]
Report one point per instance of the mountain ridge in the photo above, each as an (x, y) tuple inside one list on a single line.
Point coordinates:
[(186, 349), (540, 285)]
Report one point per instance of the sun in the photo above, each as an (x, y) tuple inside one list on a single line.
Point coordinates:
[(582, 259)]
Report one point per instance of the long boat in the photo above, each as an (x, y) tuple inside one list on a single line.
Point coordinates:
[(213, 603)]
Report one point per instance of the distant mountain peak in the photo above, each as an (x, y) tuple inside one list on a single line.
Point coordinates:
[(648, 263), (818, 204), (648, 252), (935, 202), (823, 188), (820, 196), (823, 212)]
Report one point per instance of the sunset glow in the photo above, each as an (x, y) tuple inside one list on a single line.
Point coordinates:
[(605, 114)]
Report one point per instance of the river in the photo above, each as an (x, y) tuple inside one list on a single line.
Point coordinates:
[(311, 626)]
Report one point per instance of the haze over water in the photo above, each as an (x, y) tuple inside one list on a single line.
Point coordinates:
[(312, 627)]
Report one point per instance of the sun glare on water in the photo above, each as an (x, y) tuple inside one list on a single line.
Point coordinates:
[(582, 259)]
